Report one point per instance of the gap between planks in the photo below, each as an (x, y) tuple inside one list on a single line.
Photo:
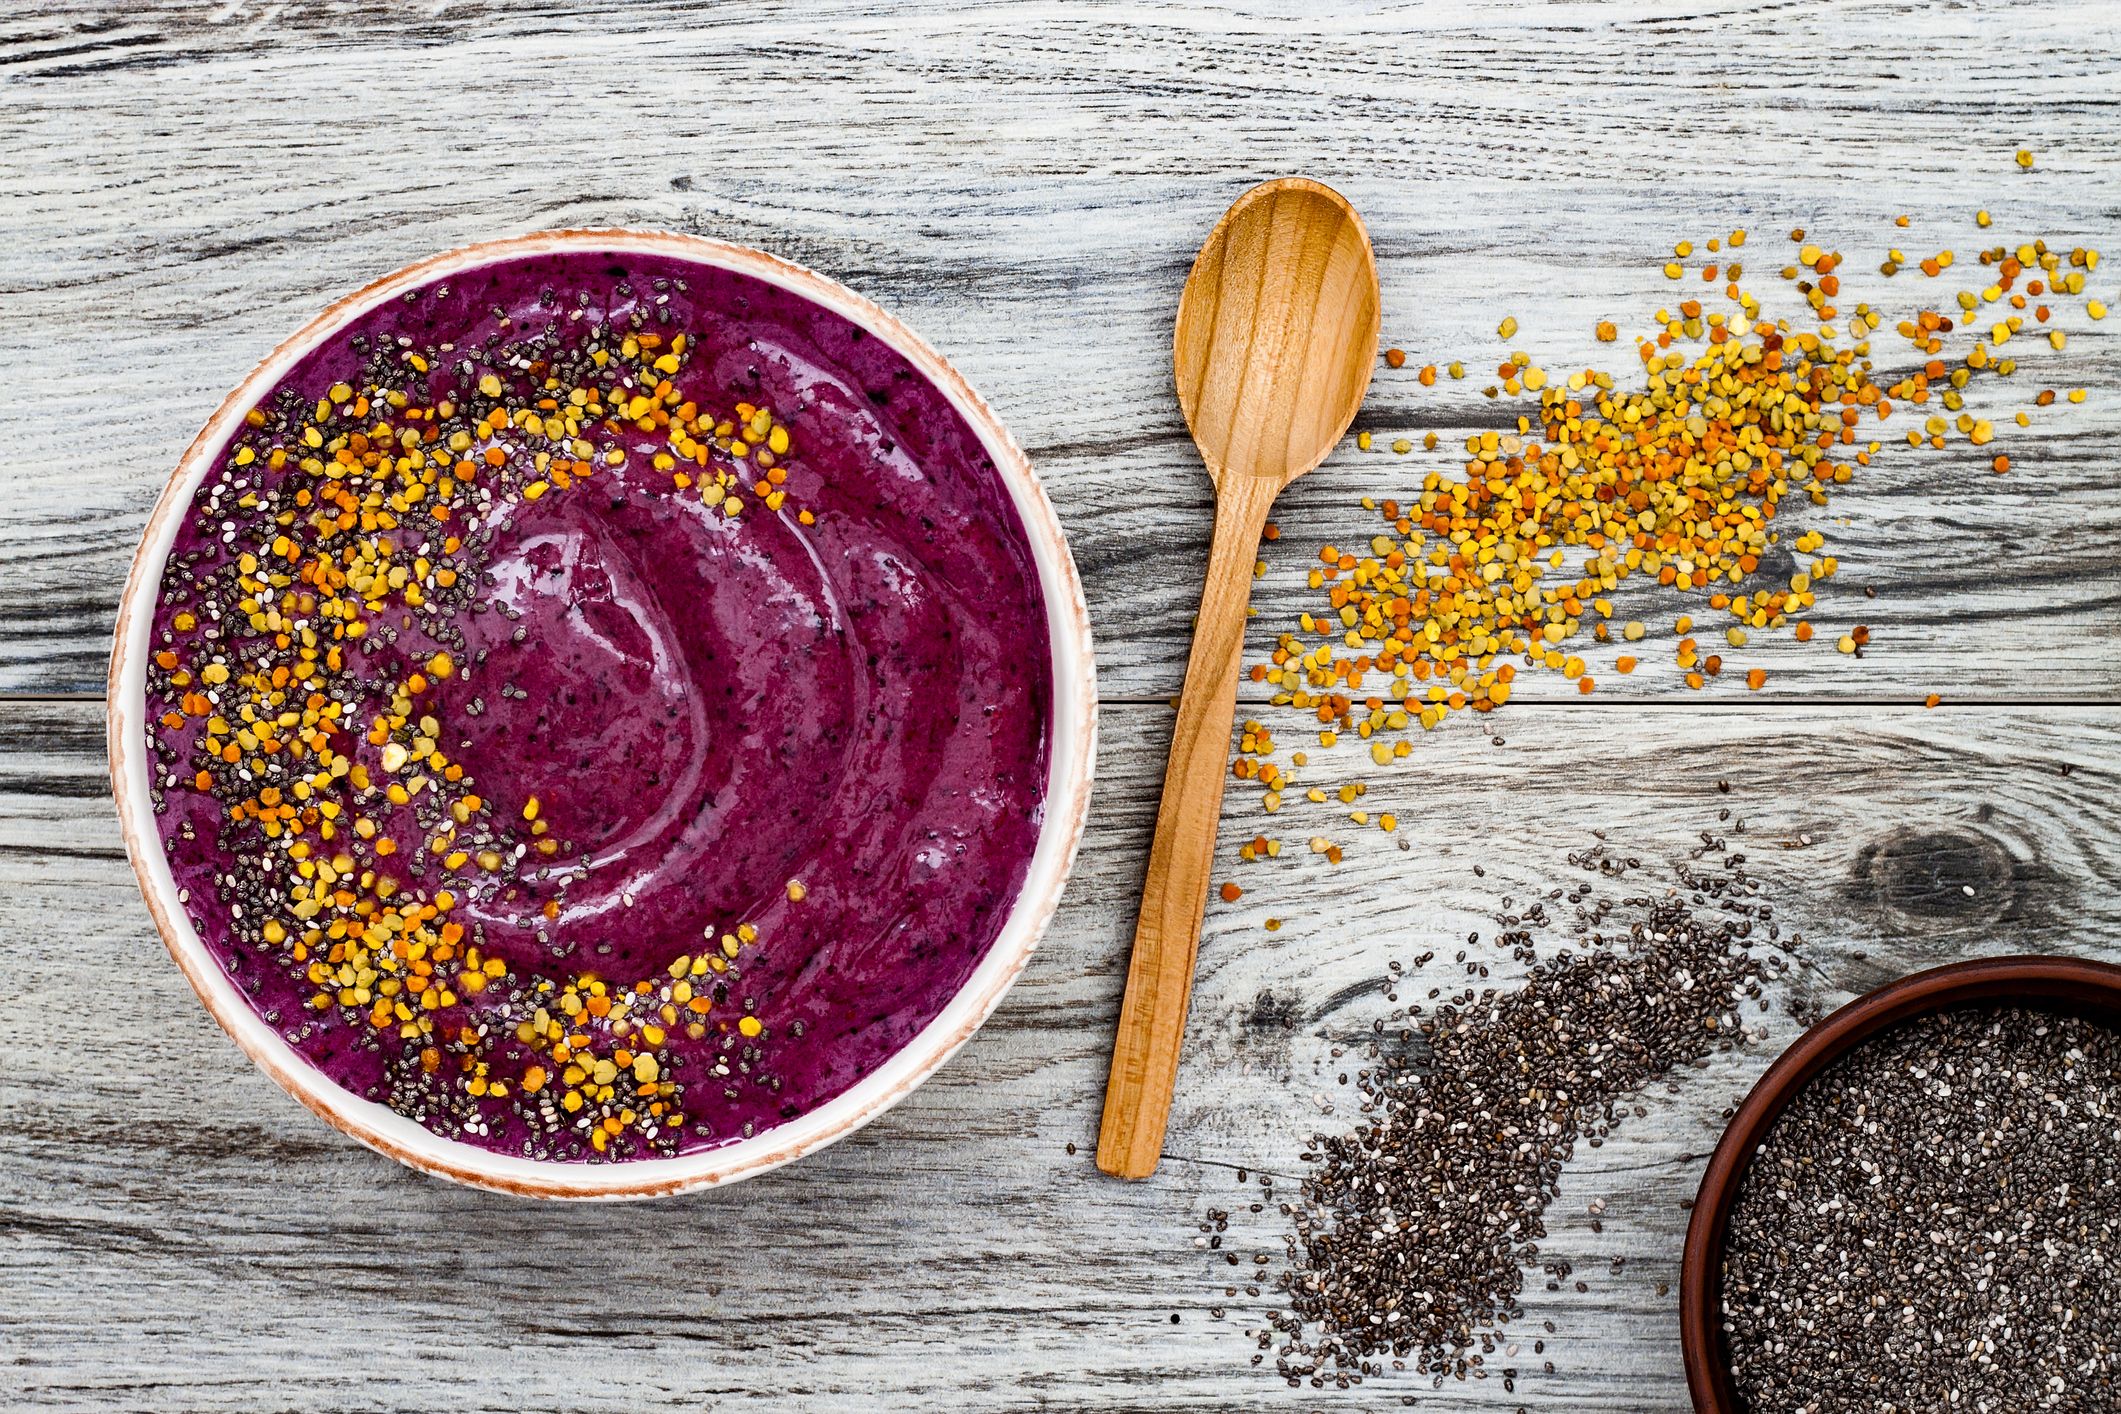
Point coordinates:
[(1833, 702)]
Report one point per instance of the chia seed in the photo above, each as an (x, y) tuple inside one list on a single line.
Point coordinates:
[(1931, 1225), (1411, 1235)]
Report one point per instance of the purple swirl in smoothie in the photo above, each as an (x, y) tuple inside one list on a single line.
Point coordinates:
[(599, 706)]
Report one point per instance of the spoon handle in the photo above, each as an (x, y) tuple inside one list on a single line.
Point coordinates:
[(1152, 1020)]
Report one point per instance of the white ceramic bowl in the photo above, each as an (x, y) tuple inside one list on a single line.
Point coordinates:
[(1072, 753)]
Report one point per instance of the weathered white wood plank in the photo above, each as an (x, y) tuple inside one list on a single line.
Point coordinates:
[(180, 186), (178, 1235)]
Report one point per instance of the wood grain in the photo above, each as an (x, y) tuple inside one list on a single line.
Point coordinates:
[(207, 1245), (1026, 186), (1152, 1015), (1275, 340), (181, 184), (1276, 334)]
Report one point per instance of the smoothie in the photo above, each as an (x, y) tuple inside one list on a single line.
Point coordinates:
[(599, 706)]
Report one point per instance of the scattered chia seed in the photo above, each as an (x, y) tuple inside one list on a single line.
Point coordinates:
[(1932, 1224), (1412, 1233)]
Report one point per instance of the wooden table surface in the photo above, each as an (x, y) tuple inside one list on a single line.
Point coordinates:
[(182, 184)]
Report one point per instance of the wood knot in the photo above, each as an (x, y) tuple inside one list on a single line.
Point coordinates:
[(1273, 1013), (1777, 563), (1939, 876)]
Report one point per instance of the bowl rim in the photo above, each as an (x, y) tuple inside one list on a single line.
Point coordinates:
[(2067, 985), (1071, 759)]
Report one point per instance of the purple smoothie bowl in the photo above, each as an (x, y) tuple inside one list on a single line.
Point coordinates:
[(927, 766)]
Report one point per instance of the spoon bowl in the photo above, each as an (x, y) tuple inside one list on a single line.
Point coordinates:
[(1277, 331), (1275, 342)]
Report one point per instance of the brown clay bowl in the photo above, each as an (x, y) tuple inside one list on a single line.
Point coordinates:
[(2057, 984)]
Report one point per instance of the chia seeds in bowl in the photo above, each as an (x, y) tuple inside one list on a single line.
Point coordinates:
[(599, 705), (1934, 1223), (1917, 1207)]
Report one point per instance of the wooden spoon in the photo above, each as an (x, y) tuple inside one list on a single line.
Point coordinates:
[(1276, 338)]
